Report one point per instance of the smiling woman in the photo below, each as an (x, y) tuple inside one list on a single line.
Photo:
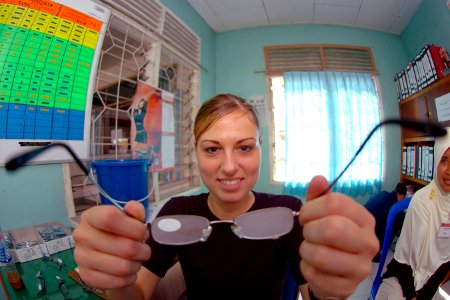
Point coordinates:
[(251, 248), (229, 159)]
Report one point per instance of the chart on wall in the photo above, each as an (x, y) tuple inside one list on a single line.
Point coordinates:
[(49, 54)]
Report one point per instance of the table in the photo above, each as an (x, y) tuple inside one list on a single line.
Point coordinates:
[(50, 270)]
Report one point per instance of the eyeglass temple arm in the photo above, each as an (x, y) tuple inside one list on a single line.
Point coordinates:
[(20, 160), (428, 128)]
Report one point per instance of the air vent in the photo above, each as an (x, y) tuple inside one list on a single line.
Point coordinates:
[(299, 58), (180, 37), (148, 13)]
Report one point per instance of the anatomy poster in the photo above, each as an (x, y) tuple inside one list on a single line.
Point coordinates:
[(152, 126)]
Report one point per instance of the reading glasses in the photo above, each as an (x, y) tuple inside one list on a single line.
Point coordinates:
[(261, 224)]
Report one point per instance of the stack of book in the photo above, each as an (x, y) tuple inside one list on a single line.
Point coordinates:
[(429, 65), (418, 162)]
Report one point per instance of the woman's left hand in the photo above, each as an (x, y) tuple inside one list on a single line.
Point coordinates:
[(339, 242)]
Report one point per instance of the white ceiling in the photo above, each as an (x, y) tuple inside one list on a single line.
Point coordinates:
[(384, 15)]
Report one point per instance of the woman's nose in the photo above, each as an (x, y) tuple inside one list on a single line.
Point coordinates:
[(447, 169), (229, 164)]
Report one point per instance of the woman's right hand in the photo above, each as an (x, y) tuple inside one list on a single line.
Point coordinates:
[(109, 245)]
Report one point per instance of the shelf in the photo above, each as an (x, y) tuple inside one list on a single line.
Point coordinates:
[(419, 139), (434, 85), (413, 179), (420, 106)]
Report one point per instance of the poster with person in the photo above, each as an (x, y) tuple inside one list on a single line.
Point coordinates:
[(152, 126)]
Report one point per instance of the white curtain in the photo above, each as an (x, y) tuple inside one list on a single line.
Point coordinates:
[(328, 116)]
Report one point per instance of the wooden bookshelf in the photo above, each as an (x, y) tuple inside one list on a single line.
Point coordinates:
[(420, 106)]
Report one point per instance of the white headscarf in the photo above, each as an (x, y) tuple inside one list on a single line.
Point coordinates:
[(419, 245)]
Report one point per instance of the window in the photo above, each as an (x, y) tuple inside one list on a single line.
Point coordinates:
[(160, 51), (324, 104)]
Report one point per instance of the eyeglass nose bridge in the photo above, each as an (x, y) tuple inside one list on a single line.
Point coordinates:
[(206, 233), (237, 230)]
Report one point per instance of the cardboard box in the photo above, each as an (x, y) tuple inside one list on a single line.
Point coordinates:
[(28, 244), (8, 241), (56, 236)]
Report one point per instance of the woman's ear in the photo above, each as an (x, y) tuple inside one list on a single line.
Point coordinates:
[(260, 139)]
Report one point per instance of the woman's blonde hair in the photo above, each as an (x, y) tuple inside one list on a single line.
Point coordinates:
[(219, 107)]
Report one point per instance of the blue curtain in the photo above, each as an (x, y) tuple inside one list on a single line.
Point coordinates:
[(328, 116)]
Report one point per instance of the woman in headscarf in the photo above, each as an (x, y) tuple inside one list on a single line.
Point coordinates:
[(422, 254)]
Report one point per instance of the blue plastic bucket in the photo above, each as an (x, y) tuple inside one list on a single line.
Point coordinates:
[(123, 180)]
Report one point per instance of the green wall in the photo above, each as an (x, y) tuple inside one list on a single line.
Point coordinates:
[(240, 57), (32, 195), (240, 60), (430, 25)]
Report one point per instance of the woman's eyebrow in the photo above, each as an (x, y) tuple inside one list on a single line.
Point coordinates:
[(238, 142), (246, 139)]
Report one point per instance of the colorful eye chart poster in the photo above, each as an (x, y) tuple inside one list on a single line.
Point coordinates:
[(48, 59), (153, 126)]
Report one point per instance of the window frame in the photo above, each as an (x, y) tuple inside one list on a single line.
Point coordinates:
[(273, 71), (150, 73)]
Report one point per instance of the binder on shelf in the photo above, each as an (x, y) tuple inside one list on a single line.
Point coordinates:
[(408, 155), (402, 84), (426, 164), (422, 75), (410, 161), (416, 74), (430, 163), (404, 160), (433, 74), (412, 79), (419, 162), (415, 161)]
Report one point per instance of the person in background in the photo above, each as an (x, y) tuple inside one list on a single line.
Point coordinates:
[(329, 248), (422, 254), (379, 205)]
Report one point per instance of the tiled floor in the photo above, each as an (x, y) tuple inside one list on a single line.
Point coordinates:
[(363, 290)]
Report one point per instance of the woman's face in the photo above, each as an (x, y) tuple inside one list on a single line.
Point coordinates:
[(229, 155), (443, 172)]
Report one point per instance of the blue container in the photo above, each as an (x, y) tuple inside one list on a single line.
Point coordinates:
[(123, 180)]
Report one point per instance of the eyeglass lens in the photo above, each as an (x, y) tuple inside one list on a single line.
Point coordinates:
[(264, 223), (179, 229)]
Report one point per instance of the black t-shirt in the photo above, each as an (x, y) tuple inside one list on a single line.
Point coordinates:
[(225, 266)]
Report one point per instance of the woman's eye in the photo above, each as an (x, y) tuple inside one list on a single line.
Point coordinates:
[(211, 150), (245, 148)]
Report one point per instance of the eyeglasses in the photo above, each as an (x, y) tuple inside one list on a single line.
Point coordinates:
[(262, 224), (267, 223)]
